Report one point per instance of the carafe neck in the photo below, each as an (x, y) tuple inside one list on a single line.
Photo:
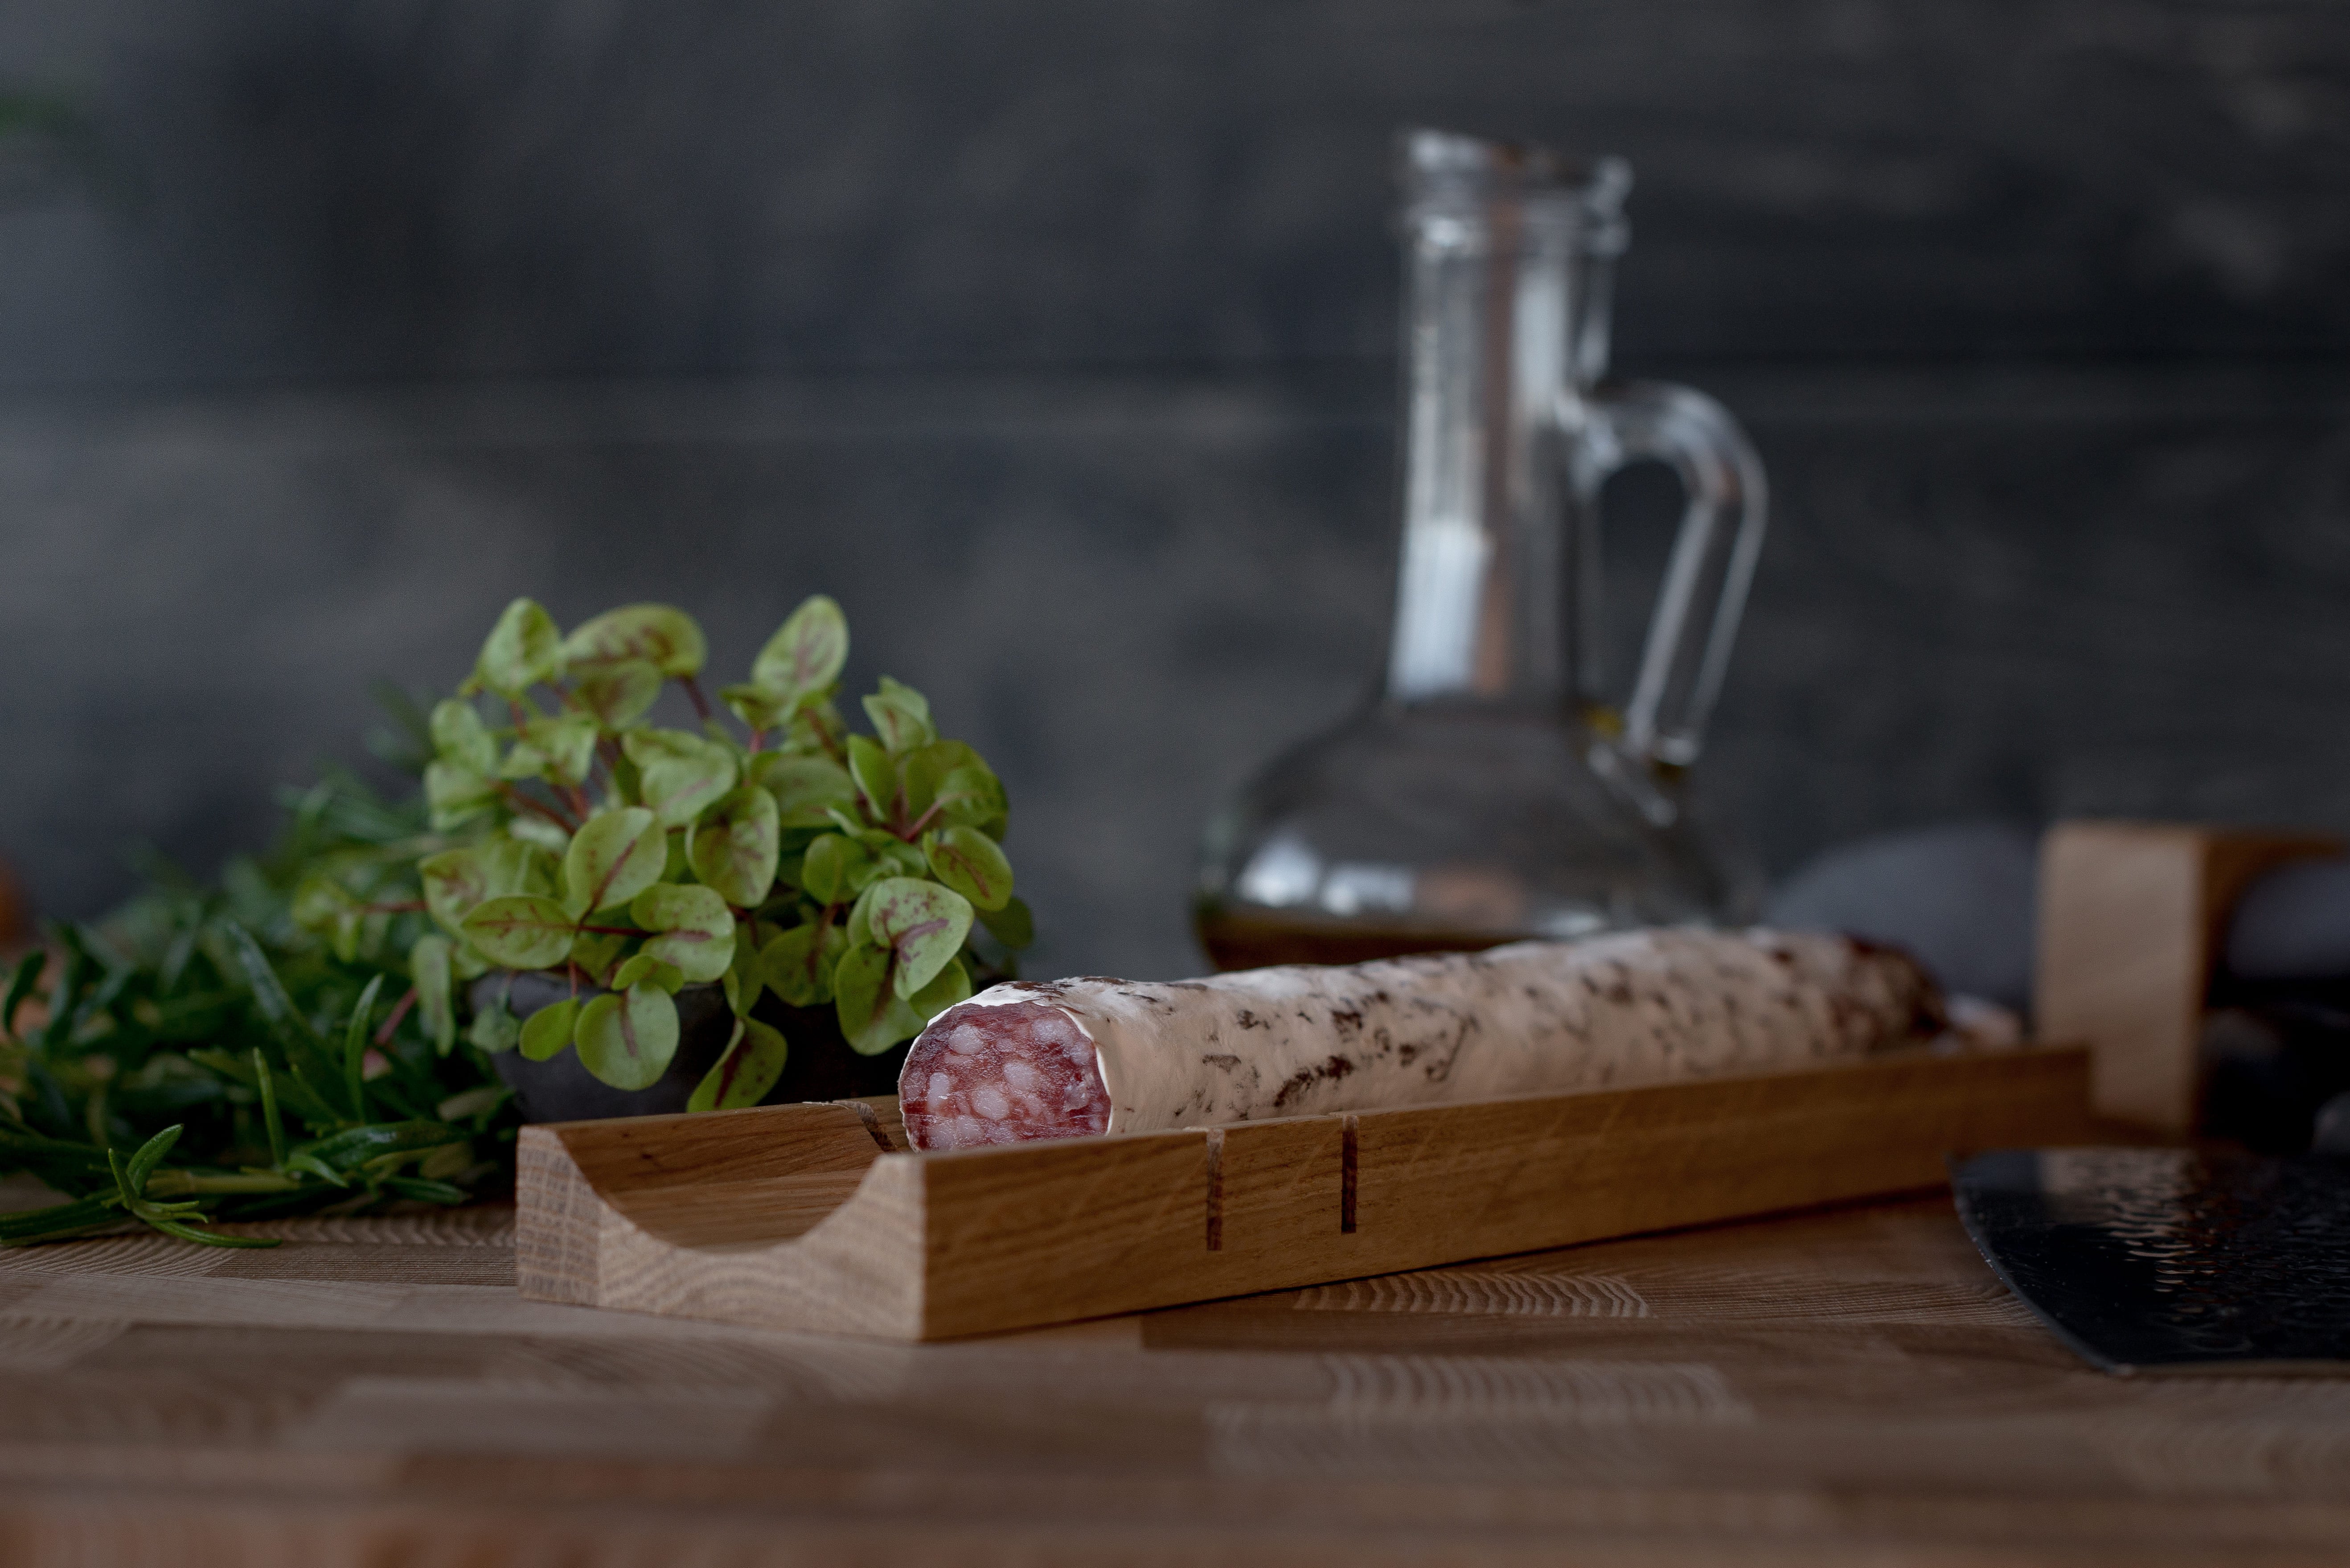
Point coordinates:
[(1507, 257)]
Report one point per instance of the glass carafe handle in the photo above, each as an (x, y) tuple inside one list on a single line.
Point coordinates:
[(1713, 565)]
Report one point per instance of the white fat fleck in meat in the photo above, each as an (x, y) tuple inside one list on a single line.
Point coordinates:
[(1531, 1018)]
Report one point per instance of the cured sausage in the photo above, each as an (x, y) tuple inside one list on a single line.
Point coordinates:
[(1075, 1057)]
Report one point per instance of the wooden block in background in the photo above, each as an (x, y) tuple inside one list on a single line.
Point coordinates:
[(2131, 915)]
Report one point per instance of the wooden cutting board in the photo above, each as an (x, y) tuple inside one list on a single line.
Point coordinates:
[(817, 1216)]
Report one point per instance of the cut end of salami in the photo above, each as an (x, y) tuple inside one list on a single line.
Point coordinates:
[(1002, 1074)]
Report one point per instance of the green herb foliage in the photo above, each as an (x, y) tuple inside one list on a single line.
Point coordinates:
[(783, 853), (244, 1028), (244, 1031)]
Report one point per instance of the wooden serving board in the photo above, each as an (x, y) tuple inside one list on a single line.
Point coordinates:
[(814, 1217)]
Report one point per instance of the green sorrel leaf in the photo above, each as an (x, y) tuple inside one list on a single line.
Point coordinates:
[(752, 1063), (807, 652), (736, 844), (743, 978), (560, 750), (533, 829), (457, 794), (429, 968), (460, 739), (901, 716), (596, 952), (322, 906), (970, 797), (660, 635), (875, 775), (456, 880), (521, 932), (872, 1016), (803, 786), (854, 927), (523, 649), (647, 970), (924, 768), (494, 1030), (620, 693), (950, 986), (816, 730), (834, 867), (679, 774), (757, 707), (893, 857), (615, 857), (923, 923), (798, 964), (694, 928), (626, 1040), (545, 1033), (968, 861)]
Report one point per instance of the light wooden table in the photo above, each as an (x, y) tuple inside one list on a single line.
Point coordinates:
[(1841, 1386)]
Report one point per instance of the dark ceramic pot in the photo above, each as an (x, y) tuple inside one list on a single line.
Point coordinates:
[(820, 1065)]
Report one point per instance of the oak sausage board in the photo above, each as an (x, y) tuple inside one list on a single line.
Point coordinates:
[(815, 1217)]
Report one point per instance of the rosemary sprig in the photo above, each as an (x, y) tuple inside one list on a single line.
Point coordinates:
[(208, 1025)]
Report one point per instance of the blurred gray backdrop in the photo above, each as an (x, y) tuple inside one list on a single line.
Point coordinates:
[(1056, 339)]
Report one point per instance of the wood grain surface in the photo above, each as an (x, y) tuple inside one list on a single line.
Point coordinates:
[(1837, 1386), (810, 1216)]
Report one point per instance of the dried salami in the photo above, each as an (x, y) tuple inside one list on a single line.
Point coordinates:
[(1075, 1057)]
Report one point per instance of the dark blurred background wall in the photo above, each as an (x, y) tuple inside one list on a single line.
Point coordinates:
[(1056, 339)]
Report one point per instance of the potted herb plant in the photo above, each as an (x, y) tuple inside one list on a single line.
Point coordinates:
[(643, 917), (671, 918)]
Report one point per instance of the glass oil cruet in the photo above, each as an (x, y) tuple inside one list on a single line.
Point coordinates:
[(1490, 791)]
